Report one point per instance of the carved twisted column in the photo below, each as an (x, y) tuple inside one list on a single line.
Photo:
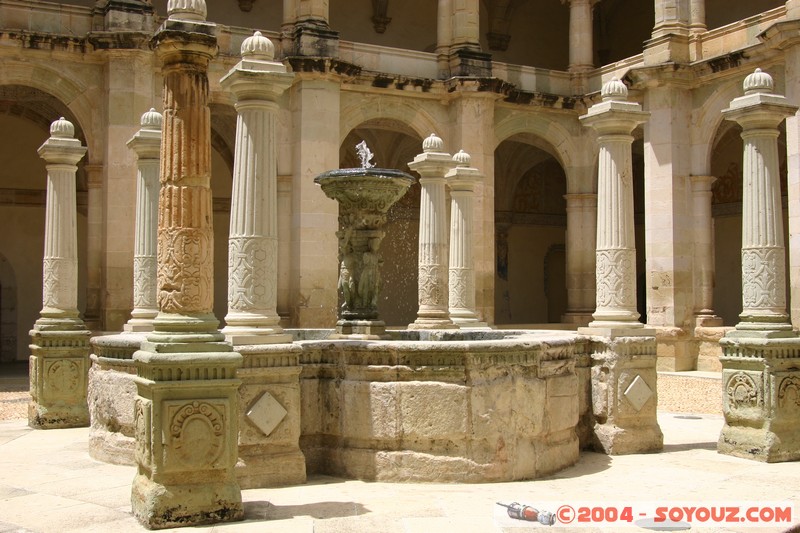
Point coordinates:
[(256, 82), (432, 165), (186, 409), (761, 357), (462, 180), (147, 145), (623, 370), (59, 359)]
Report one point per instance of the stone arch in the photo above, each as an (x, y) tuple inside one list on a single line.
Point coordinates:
[(530, 222), (710, 122), (79, 98), (373, 110), (547, 135)]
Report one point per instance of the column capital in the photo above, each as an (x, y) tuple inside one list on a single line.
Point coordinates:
[(147, 141), (463, 177), (257, 76), (759, 107), (782, 35), (615, 115), (433, 162), (62, 148)]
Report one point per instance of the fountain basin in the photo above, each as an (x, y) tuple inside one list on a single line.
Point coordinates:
[(452, 407)]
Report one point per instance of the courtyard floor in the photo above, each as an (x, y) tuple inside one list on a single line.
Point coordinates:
[(48, 483)]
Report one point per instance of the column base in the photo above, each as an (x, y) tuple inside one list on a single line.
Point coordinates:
[(186, 426), (432, 323), (360, 330), (158, 506), (760, 397), (139, 325), (614, 440), (707, 321), (59, 366)]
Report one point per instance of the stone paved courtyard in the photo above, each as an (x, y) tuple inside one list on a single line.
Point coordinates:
[(50, 483)]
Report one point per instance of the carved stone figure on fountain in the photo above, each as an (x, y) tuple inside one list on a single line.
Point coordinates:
[(365, 195)]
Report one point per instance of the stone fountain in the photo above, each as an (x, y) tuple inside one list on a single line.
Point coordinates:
[(365, 195)]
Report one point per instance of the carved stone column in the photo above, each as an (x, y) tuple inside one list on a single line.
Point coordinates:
[(623, 371), (432, 165), (703, 252), (614, 119), (186, 410), (761, 357), (59, 359), (147, 145), (462, 180), (256, 82)]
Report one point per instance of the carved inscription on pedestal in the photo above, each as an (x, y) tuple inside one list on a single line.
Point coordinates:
[(742, 392), (63, 378), (196, 434)]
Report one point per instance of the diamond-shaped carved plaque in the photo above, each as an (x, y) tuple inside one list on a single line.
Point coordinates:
[(638, 392), (266, 413)]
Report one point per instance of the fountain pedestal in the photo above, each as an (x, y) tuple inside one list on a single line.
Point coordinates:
[(364, 196)]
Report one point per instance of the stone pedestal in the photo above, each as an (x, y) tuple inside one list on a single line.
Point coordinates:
[(147, 145), (269, 417), (59, 360), (624, 397), (761, 357), (623, 352), (256, 82), (462, 181), (432, 165), (185, 413)]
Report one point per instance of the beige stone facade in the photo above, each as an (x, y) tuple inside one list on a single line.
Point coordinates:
[(505, 85)]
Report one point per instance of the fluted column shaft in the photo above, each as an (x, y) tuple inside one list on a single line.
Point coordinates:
[(763, 251), (703, 245), (433, 232), (59, 359), (253, 242), (60, 265), (147, 145), (614, 119), (462, 181), (763, 256)]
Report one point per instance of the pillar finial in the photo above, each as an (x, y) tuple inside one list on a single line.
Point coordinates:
[(191, 10), (758, 82), (62, 129), (152, 120), (258, 47), (432, 144), (462, 159), (614, 90)]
